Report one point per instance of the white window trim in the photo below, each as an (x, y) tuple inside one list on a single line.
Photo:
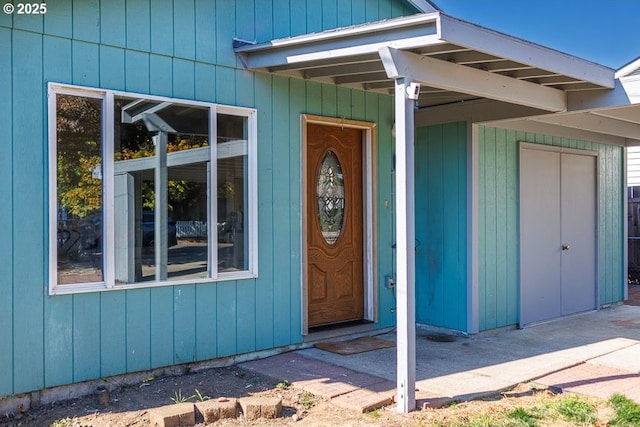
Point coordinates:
[(107, 97)]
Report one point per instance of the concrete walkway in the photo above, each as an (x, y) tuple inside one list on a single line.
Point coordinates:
[(595, 353)]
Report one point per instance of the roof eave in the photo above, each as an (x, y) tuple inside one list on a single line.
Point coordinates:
[(457, 31), (414, 32), (403, 33), (628, 69)]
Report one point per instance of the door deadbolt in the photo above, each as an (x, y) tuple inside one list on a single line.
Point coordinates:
[(566, 247)]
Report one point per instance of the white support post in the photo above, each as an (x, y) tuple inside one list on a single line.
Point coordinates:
[(405, 248), (124, 230), (161, 205)]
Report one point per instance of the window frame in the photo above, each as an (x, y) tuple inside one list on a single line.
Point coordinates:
[(108, 166)]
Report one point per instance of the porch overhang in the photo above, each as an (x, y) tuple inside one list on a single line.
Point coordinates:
[(454, 61)]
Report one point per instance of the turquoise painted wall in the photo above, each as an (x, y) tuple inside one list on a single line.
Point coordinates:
[(177, 48), (441, 225), (498, 243)]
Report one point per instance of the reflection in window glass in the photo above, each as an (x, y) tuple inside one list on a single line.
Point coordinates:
[(161, 178), (232, 193), (142, 194), (79, 189), (188, 255)]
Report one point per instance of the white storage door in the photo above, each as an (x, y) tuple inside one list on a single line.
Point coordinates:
[(557, 233)]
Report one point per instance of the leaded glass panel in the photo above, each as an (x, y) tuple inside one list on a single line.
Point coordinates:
[(330, 197)]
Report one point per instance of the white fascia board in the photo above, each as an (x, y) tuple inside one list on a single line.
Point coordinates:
[(534, 126), (498, 44), (594, 123), (627, 113), (401, 33), (630, 68), (459, 78)]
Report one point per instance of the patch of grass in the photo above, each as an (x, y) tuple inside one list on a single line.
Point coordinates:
[(179, 398), (375, 414), (201, 397), (483, 421), (283, 385), (65, 422), (575, 409), (306, 399), (627, 411), (521, 417)]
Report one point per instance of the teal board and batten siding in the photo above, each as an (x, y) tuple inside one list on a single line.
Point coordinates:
[(498, 244), (179, 49), (441, 225)]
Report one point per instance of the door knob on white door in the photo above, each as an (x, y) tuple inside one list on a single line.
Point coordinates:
[(566, 247)]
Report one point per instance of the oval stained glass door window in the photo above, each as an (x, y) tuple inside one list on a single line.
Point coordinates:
[(330, 197)]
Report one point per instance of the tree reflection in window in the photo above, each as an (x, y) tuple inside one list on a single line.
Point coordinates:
[(79, 189), (330, 197)]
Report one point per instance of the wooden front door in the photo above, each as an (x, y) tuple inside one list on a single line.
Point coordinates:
[(334, 220)]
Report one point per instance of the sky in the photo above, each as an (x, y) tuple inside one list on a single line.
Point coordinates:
[(606, 32)]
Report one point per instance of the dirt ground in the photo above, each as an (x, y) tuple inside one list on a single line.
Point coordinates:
[(130, 404)]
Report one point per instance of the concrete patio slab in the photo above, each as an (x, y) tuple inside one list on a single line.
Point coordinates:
[(362, 400), (626, 359), (595, 380), (603, 346)]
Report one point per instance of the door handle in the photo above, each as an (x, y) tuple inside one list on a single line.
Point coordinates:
[(566, 247)]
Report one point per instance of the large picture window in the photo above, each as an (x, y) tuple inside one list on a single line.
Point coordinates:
[(148, 190)]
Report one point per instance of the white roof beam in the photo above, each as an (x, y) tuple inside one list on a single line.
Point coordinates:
[(441, 49), (629, 114), (361, 78), (329, 62), (463, 79), (594, 123), (531, 73), (530, 124), (386, 85), (506, 66), (344, 69), (468, 57), (578, 86), (555, 80)]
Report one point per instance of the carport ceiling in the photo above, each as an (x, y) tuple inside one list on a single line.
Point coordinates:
[(350, 57)]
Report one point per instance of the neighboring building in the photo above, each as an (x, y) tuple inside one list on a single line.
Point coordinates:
[(629, 77), (633, 165), (126, 122)]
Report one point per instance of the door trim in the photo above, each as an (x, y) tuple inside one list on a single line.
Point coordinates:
[(584, 152), (369, 212)]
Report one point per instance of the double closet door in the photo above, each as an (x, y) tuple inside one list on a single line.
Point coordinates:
[(558, 229)]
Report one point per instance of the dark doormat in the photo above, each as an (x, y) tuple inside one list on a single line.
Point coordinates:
[(358, 345)]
